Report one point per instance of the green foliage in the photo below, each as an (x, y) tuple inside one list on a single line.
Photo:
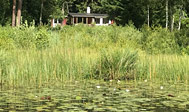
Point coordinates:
[(32, 55), (153, 41), (164, 67), (122, 11), (5, 62), (185, 50), (42, 39), (116, 64), (159, 40), (182, 38), (4, 12), (6, 42), (24, 37)]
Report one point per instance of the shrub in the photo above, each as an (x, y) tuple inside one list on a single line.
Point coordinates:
[(6, 42), (42, 39), (185, 50), (161, 41), (182, 38), (24, 37)]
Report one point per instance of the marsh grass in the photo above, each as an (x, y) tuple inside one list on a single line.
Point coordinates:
[(164, 67), (32, 56), (116, 64)]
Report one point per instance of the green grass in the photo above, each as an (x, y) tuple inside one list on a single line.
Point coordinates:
[(38, 56), (164, 67)]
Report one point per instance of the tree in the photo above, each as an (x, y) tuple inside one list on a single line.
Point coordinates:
[(151, 12), (41, 12), (149, 5), (5, 13), (14, 13), (19, 12), (167, 13)]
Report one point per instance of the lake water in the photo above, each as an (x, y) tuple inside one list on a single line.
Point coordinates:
[(96, 96)]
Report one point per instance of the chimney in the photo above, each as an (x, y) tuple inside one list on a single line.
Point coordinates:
[(88, 10)]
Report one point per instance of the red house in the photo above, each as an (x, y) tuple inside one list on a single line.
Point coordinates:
[(85, 18)]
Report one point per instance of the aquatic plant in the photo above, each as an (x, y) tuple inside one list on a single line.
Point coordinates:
[(37, 56), (118, 64)]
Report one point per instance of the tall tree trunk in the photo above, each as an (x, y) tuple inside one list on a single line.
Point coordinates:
[(41, 12), (14, 13), (148, 16), (19, 12), (167, 14), (180, 19), (172, 23), (63, 9), (52, 22), (68, 7)]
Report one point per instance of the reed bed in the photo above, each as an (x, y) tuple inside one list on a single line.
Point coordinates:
[(163, 67), (42, 56)]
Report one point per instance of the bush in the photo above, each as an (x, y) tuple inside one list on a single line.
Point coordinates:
[(6, 42), (185, 50), (152, 40), (24, 37), (182, 38), (161, 41), (42, 39), (116, 65)]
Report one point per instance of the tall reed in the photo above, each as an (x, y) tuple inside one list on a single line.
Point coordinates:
[(38, 56), (163, 67)]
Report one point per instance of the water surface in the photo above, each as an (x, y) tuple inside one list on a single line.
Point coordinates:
[(96, 96)]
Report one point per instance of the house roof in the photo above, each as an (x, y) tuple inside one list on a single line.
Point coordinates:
[(88, 15)]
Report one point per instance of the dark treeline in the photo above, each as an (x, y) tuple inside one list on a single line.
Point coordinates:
[(170, 14)]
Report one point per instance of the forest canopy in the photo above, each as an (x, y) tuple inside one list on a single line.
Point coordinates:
[(166, 13)]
